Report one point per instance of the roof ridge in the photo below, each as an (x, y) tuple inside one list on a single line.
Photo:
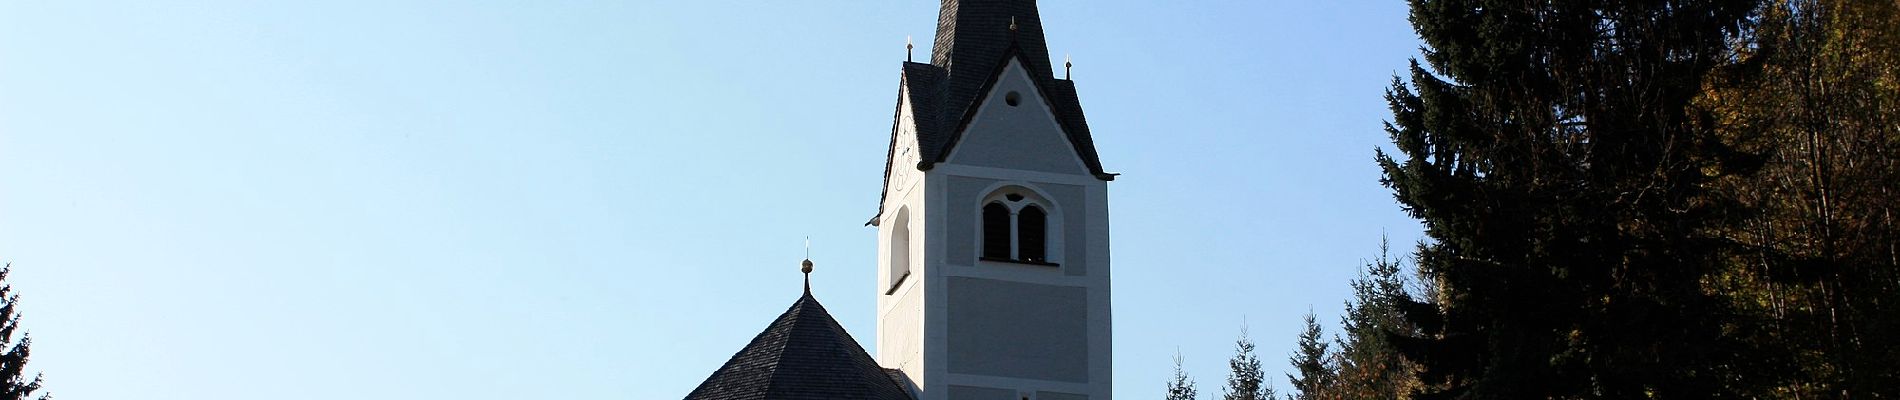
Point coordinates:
[(796, 311)]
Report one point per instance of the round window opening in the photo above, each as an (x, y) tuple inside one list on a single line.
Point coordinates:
[(1013, 98)]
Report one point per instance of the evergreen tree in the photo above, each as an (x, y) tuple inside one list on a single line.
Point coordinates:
[(1566, 180), (1369, 368), (1182, 387), (13, 382), (1245, 381), (1312, 362)]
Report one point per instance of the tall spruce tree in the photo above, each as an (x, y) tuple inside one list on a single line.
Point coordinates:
[(1245, 380), (1564, 177), (1313, 363), (14, 384), (1369, 368), (1182, 386)]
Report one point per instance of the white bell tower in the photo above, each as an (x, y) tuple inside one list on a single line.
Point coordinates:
[(993, 278)]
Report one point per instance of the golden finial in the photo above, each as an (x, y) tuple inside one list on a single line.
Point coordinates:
[(806, 265)]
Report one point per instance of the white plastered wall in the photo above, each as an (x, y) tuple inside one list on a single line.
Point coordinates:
[(1013, 146), (900, 311)]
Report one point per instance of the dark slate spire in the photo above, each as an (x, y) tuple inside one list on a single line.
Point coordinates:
[(972, 36), (803, 355)]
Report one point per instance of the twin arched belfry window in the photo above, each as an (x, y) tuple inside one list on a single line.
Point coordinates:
[(1015, 228)]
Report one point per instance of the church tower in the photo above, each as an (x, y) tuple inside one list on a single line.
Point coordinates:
[(993, 278)]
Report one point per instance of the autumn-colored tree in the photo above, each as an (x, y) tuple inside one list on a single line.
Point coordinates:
[(1817, 91)]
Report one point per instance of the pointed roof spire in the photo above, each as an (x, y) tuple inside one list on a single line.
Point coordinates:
[(804, 354), (972, 36)]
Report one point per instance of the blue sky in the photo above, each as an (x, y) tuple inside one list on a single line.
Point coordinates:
[(604, 200)]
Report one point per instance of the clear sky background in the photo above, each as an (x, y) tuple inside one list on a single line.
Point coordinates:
[(605, 200)]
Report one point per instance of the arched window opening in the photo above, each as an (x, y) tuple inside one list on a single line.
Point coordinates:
[(1015, 227), (996, 231), (899, 267), (1032, 234)]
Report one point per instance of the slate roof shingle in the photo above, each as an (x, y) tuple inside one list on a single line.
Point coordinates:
[(802, 355)]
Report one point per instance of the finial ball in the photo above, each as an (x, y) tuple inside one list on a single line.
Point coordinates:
[(805, 266)]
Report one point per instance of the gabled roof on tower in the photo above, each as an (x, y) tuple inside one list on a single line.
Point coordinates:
[(975, 40), (804, 354)]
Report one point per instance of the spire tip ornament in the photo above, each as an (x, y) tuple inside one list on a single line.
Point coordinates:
[(805, 266), (1067, 62)]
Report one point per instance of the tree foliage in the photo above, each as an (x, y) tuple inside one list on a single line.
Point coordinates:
[(1818, 93), (1368, 366), (14, 383), (1312, 362), (1182, 386), (1635, 199), (1245, 379), (1651, 199), (1567, 182)]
